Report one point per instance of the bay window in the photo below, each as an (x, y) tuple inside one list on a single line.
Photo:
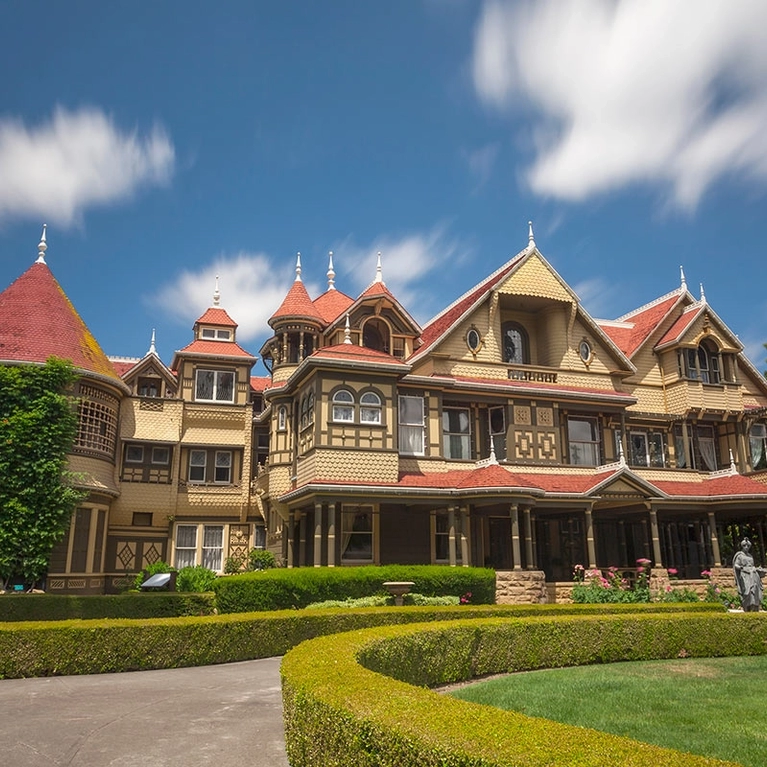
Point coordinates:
[(758, 444), (456, 433)]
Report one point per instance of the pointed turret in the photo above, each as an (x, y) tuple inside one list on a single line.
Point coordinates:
[(296, 305), (38, 321)]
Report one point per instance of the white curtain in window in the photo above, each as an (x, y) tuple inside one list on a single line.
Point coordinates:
[(707, 453), (212, 547)]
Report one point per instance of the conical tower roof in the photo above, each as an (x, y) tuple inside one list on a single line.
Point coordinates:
[(297, 304), (38, 321)]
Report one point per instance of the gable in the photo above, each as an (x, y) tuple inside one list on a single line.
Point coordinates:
[(534, 277)]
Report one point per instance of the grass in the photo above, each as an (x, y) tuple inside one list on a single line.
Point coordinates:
[(713, 706)]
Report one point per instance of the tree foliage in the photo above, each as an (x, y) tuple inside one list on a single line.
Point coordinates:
[(38, 425)]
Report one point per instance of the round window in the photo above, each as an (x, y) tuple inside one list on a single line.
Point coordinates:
[(585, 351), (473, 340)]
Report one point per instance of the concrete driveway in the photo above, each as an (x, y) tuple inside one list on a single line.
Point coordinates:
[(186, 717)]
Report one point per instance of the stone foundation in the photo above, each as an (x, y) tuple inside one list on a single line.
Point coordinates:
[(520, 587)]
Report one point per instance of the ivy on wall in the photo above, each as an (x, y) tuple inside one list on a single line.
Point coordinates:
[(38, 424)]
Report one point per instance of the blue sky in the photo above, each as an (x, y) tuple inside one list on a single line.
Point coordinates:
[(164, 143)]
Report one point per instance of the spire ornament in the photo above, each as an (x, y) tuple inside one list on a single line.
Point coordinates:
[(42, 247), (682, 277), (702, 294), (331, 272), (298, 266), (216, 294), (530, 238), (379, 271), (347, 331), (152, 348)]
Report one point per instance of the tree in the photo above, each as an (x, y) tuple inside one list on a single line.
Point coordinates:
[(38, 424)]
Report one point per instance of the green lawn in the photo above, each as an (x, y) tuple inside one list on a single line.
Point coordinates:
[(713, 706)]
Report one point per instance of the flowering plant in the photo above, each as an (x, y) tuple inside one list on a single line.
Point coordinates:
[(715, 593), (466, 598)]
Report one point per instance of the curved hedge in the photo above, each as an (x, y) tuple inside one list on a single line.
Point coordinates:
[(99, 646), (297, 587), (338, 711)]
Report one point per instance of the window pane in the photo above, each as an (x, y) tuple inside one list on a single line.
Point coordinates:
[(343, 396), (638, 442), (370, 415), (225, 387), (186, 536), (411, 410), (357, 535), (343, 413), (160, 455), (185, 558), (223, 472), (205, 380), (134, 453), (370, 398), (197, 463), (657, 450)]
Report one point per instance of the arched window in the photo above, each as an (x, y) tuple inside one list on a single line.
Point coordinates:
[(304, 412), (516, 350), (370, 408), (282, 418), (343, 406), (375, 335), (704, 363), (310, 408)]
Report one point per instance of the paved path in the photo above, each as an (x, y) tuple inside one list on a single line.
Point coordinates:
[(186, 717)]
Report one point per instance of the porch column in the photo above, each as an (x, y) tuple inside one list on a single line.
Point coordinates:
[(301, 558), (464, 512), (591, 550), (332, 517), (300, 345), (528, 537), (533, 541), (317, 534), (451, 536), (655, 538), (291, 530), (284, 346), (516, 552), (714, 539)]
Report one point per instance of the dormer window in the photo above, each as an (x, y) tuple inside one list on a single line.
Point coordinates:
[(516, 349), (702, 364), (216, 334), (214, 386)]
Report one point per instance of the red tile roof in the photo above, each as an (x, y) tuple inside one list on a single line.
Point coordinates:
[(260, 383), (675, 332), (353, 352), (296, 304), (643, 320), (729, 485), (332, 304), (38, 321), (122, 367), (435, 329), (215, 348), (216, 316), (377, 289)]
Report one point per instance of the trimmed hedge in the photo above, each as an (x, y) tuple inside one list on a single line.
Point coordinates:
[(294, 588), (350, 699), (94, 647), (58, 607)]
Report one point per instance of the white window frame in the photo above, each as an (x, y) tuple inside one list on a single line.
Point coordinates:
[(644, 448), (412, 433), (282, 418), (449, 437), (159, 461), (203, 544), (217, 334), (197, 465), (189, 557), (129, 459), (590, 448), (217, 387), (343, 406), (349, 514), (757, 438), (213, 547), (224, 460), (370, 408)]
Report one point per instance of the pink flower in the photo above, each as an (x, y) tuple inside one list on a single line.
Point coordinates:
[(578, 568), (706, 574), (643, 561), (672, 571)]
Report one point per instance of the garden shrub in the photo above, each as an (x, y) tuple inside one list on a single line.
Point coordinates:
[(286, 588), (100, 646), (350, 699), (197, 579), (261, 559), (58, 607)]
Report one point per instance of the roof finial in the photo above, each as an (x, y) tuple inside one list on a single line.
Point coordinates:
[(216, 294), (379, 272), (42, 247), (621, 454), (702, 294), (298, 266), (347, 331), (331, 272), (492, 460), (152, 348), (530, 238), (733, 467), (684, 279)]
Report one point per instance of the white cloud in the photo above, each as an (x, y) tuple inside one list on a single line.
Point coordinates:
[(54, 171), (596, 295), (481, 163), (252, 287), (405, 261), (630, 91)]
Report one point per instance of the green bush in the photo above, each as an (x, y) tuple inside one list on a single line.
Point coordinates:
[(100, 646), (261, 559), (295, 588), (350, 699), (197, 579), (59, 607), (379, 600)]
